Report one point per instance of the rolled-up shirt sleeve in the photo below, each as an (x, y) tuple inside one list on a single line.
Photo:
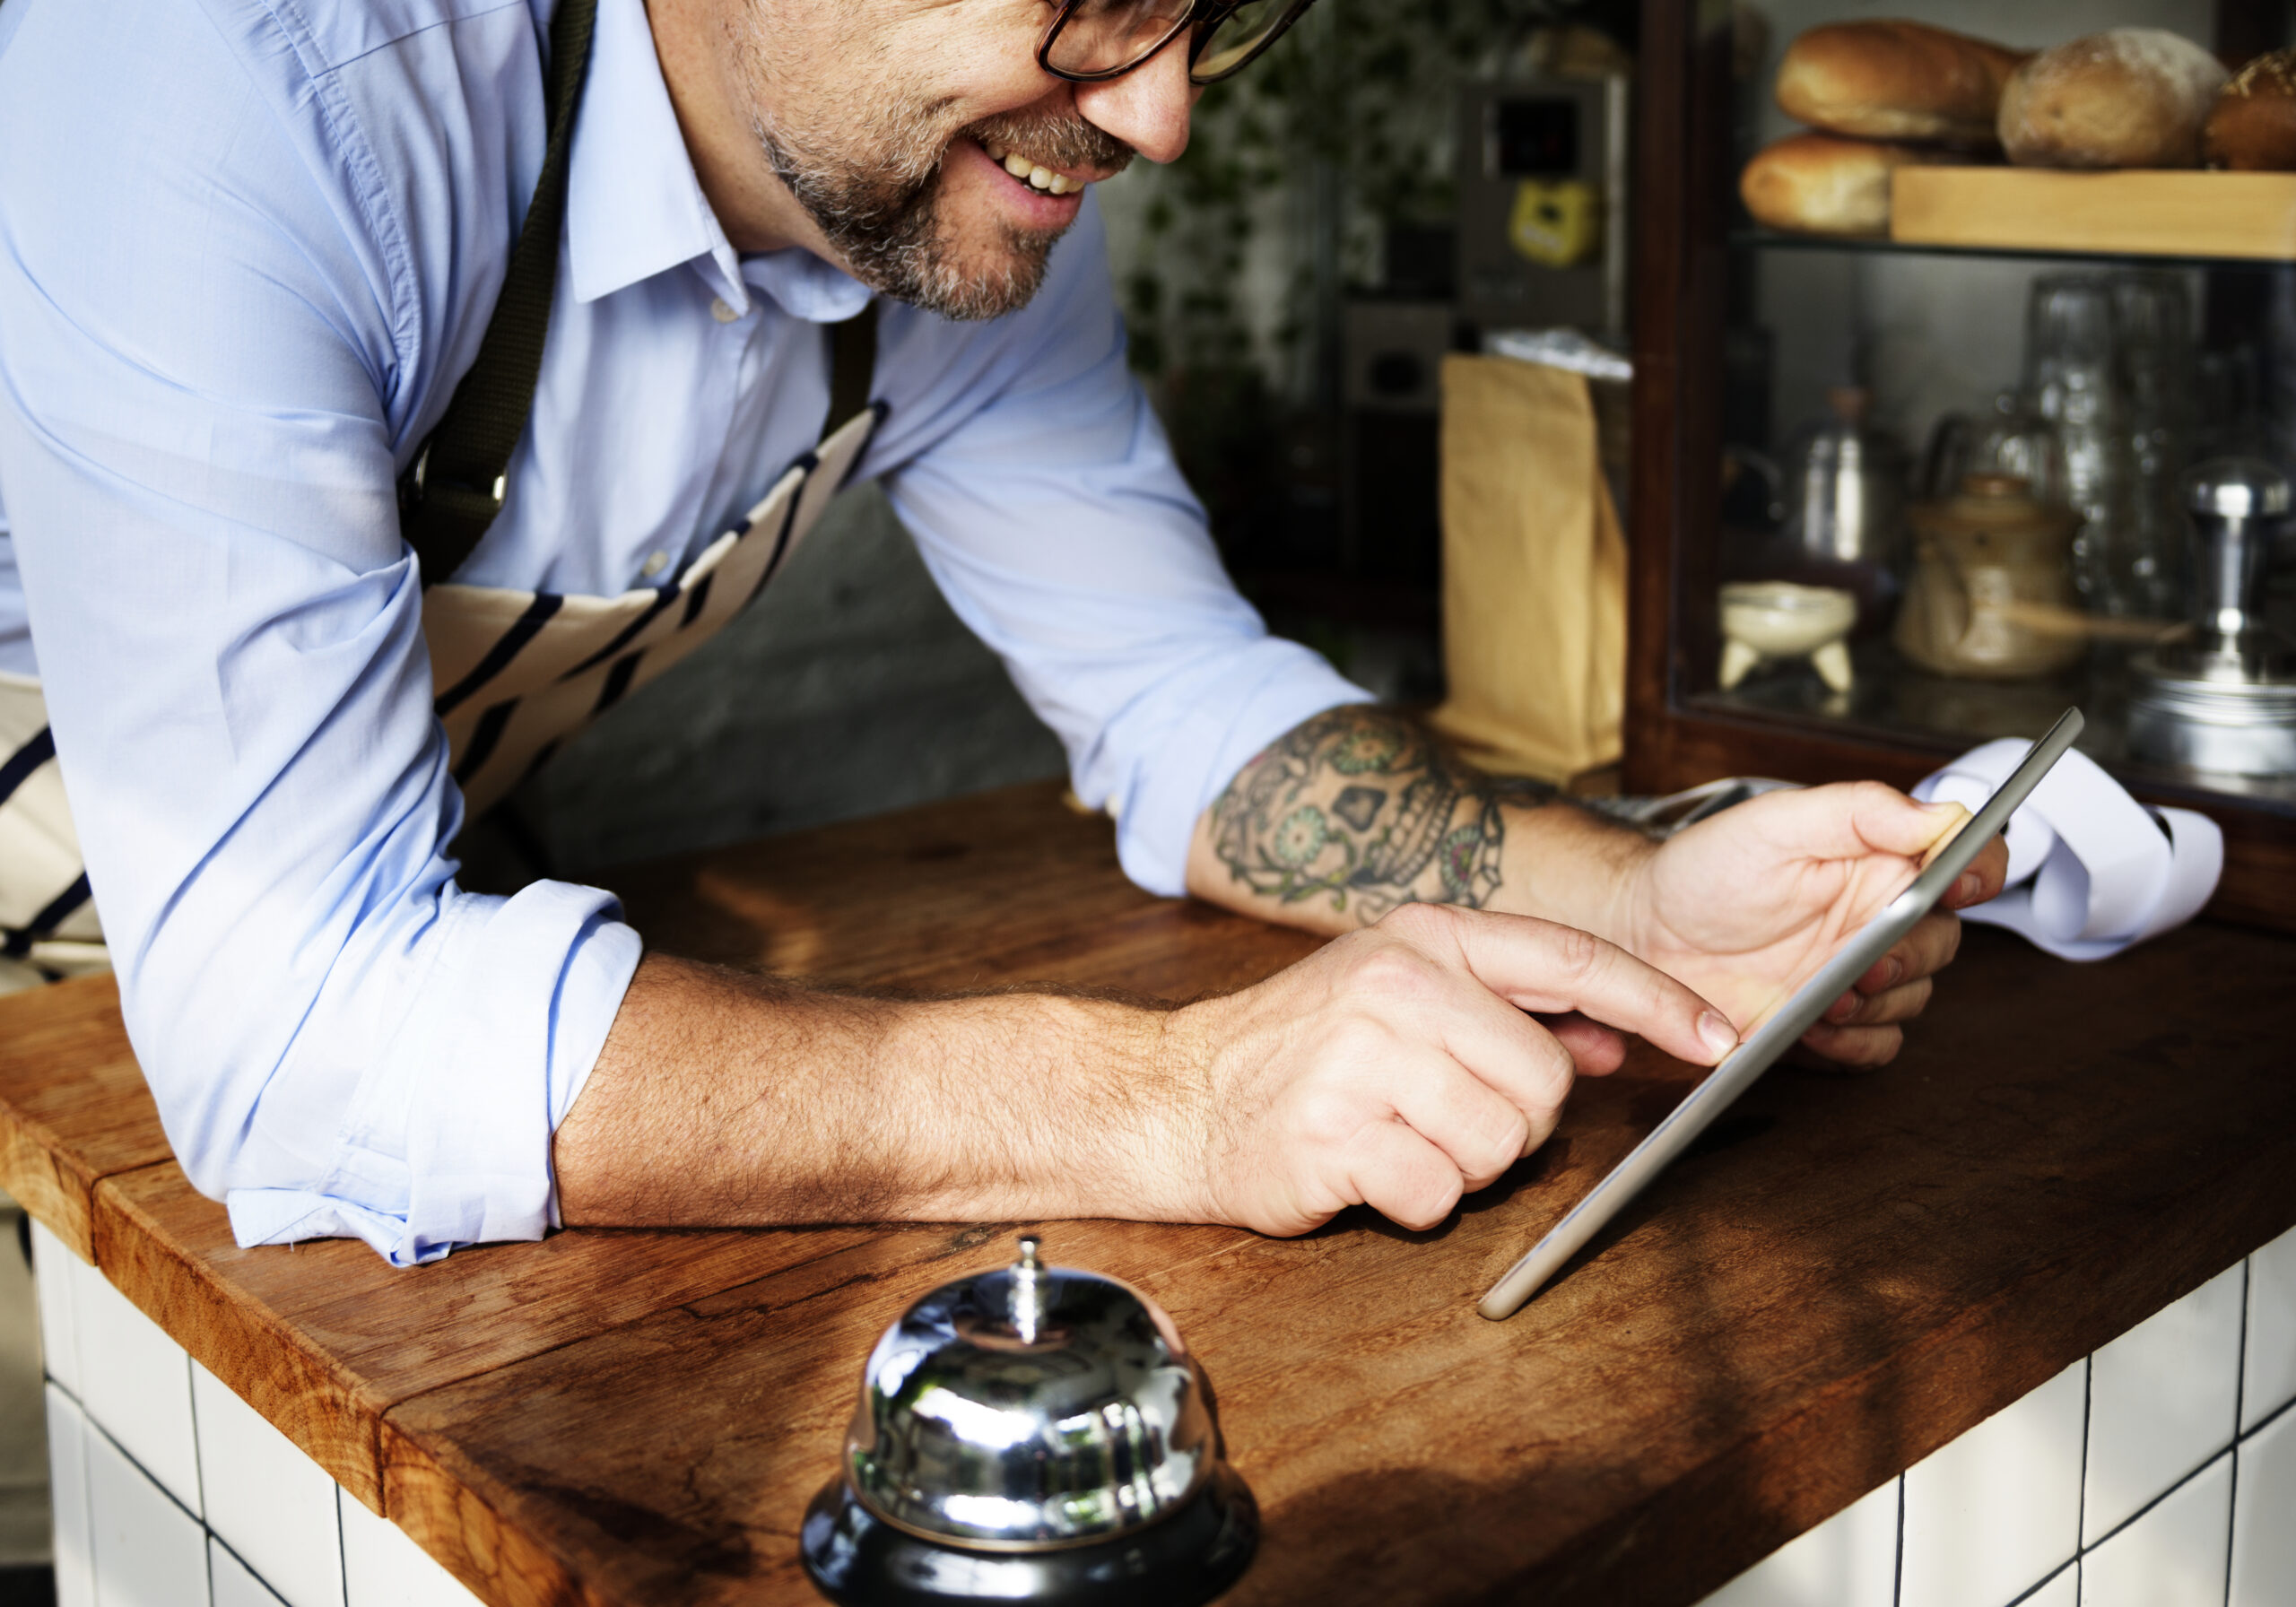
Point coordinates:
[(200, 355), (1058, 526)]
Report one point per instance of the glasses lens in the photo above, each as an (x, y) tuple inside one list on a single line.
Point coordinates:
[(1107, 36), (1240, 35)]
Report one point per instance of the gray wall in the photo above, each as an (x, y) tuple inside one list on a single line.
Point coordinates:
[(849, 689)]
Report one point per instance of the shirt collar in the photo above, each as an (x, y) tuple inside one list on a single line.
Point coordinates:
[(634, 207)]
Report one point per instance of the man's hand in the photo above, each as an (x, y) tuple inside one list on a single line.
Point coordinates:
[(1397, 1067), (1747, 905), (1357, 811)]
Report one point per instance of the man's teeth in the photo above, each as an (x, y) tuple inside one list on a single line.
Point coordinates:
[(1036, 175)]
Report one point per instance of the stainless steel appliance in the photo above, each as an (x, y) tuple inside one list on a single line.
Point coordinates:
[(1543, 204)]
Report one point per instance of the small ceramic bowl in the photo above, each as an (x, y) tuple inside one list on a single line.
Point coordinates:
[(1779, 619)]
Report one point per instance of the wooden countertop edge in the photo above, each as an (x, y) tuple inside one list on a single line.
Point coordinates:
[(46, 1181), (324, 1411)]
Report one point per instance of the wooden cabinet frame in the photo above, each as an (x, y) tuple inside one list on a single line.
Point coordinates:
[(1682, 185)]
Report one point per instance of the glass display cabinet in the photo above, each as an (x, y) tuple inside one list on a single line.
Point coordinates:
[(2020, 445)]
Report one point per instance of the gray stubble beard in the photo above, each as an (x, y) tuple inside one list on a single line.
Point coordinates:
[(886, 223)]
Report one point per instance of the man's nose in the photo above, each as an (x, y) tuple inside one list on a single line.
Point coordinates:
[(1148, 108)]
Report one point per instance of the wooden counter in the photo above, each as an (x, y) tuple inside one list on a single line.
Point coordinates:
[(1848, 1272)]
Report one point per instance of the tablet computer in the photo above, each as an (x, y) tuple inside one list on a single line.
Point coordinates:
[(1771, 1037)]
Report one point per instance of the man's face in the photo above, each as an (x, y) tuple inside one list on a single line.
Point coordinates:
[(923, 139)]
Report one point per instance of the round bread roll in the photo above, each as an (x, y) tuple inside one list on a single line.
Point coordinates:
[(2127, 97), (1896, 81), (2253, 128), (1819, 183)]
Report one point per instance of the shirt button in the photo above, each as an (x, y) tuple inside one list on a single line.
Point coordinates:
[(656, 562), (722, 311)]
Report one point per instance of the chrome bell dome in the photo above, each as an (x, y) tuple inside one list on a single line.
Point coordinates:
[(1033, 1433)]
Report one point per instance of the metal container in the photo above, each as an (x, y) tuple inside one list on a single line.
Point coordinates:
[(2226, 697), (1032, 1434)]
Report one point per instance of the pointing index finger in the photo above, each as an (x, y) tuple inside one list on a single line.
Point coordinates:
[(1548, 967)]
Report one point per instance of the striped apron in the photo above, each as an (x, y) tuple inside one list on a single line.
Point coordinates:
[(515, 673)]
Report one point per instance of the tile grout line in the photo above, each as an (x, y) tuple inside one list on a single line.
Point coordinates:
[(1897, 1576), (2081, 1496), (2239, 1406), (2123, 1527)]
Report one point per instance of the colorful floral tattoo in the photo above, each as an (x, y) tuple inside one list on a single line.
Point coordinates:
[(1361, 806)]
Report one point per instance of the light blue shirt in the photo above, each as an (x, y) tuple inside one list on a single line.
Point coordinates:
[(246, 247)]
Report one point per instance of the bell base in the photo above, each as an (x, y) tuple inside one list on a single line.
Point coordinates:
[(1184, 1561)]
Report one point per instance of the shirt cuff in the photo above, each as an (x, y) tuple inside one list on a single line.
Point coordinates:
[(461, 1106), (1271, 688)]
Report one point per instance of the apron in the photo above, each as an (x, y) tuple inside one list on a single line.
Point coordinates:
[(514, 674)]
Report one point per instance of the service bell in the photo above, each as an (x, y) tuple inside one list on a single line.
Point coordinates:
[(1031, 1434)]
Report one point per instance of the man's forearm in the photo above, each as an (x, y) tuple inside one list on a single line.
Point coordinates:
[(1359, 811), (727, 1099)]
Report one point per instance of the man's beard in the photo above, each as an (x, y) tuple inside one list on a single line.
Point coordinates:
[(885, 217)]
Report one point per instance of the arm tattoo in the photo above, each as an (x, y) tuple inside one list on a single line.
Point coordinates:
[(1361, 806)]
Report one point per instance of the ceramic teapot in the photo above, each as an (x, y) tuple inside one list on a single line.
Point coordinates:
[(1990, 595)]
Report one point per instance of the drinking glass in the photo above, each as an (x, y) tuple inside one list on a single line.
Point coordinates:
[(2075, 378), (2153, 318)]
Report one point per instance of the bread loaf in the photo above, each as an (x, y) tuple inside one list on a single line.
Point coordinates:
[(1818, 184), (2127, 97), (1896, 81), (2253, 128)]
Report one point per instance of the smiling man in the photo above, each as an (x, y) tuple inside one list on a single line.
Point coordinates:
[(387, 387)]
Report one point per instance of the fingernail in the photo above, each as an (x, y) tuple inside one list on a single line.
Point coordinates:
[(1891, 969), (1842, 1009), (1967, 888), (1721, 1037)]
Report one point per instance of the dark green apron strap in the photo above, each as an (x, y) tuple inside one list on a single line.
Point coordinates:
[(455, 487)]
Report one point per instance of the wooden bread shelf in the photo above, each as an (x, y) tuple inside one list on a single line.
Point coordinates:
[(2137, 213)]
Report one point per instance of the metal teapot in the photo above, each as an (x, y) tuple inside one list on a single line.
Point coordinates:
[(1031, 1434)]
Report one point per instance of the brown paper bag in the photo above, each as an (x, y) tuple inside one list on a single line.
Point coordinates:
[(1534, 573)]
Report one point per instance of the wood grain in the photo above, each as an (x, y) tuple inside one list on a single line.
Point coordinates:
[(1850, 1272), (73, 1105), (2176, 214)]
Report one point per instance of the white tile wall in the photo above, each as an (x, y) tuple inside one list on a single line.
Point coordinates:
[(2173, 1555), (135, 1384), (386, 1569), (2270, 1363), (67, 1486), (1849, 1560), (59, 1343), (148, 1551), (269, 1502), (231, 1584), (2163, 1398), (2264, 1518), (1993, 1513)]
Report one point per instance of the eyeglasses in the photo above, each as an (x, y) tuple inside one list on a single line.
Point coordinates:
[(1091, 41)]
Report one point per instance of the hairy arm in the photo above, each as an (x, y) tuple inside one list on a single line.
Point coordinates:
[(1360, 810), (729, 1099)]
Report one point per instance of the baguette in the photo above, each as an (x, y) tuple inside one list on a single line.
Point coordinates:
[(1896, 81), (2126, 97), (2253, 127), (1818, 184)]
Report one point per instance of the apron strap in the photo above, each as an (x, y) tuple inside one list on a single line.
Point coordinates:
[(852, 365), (456, 485)]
